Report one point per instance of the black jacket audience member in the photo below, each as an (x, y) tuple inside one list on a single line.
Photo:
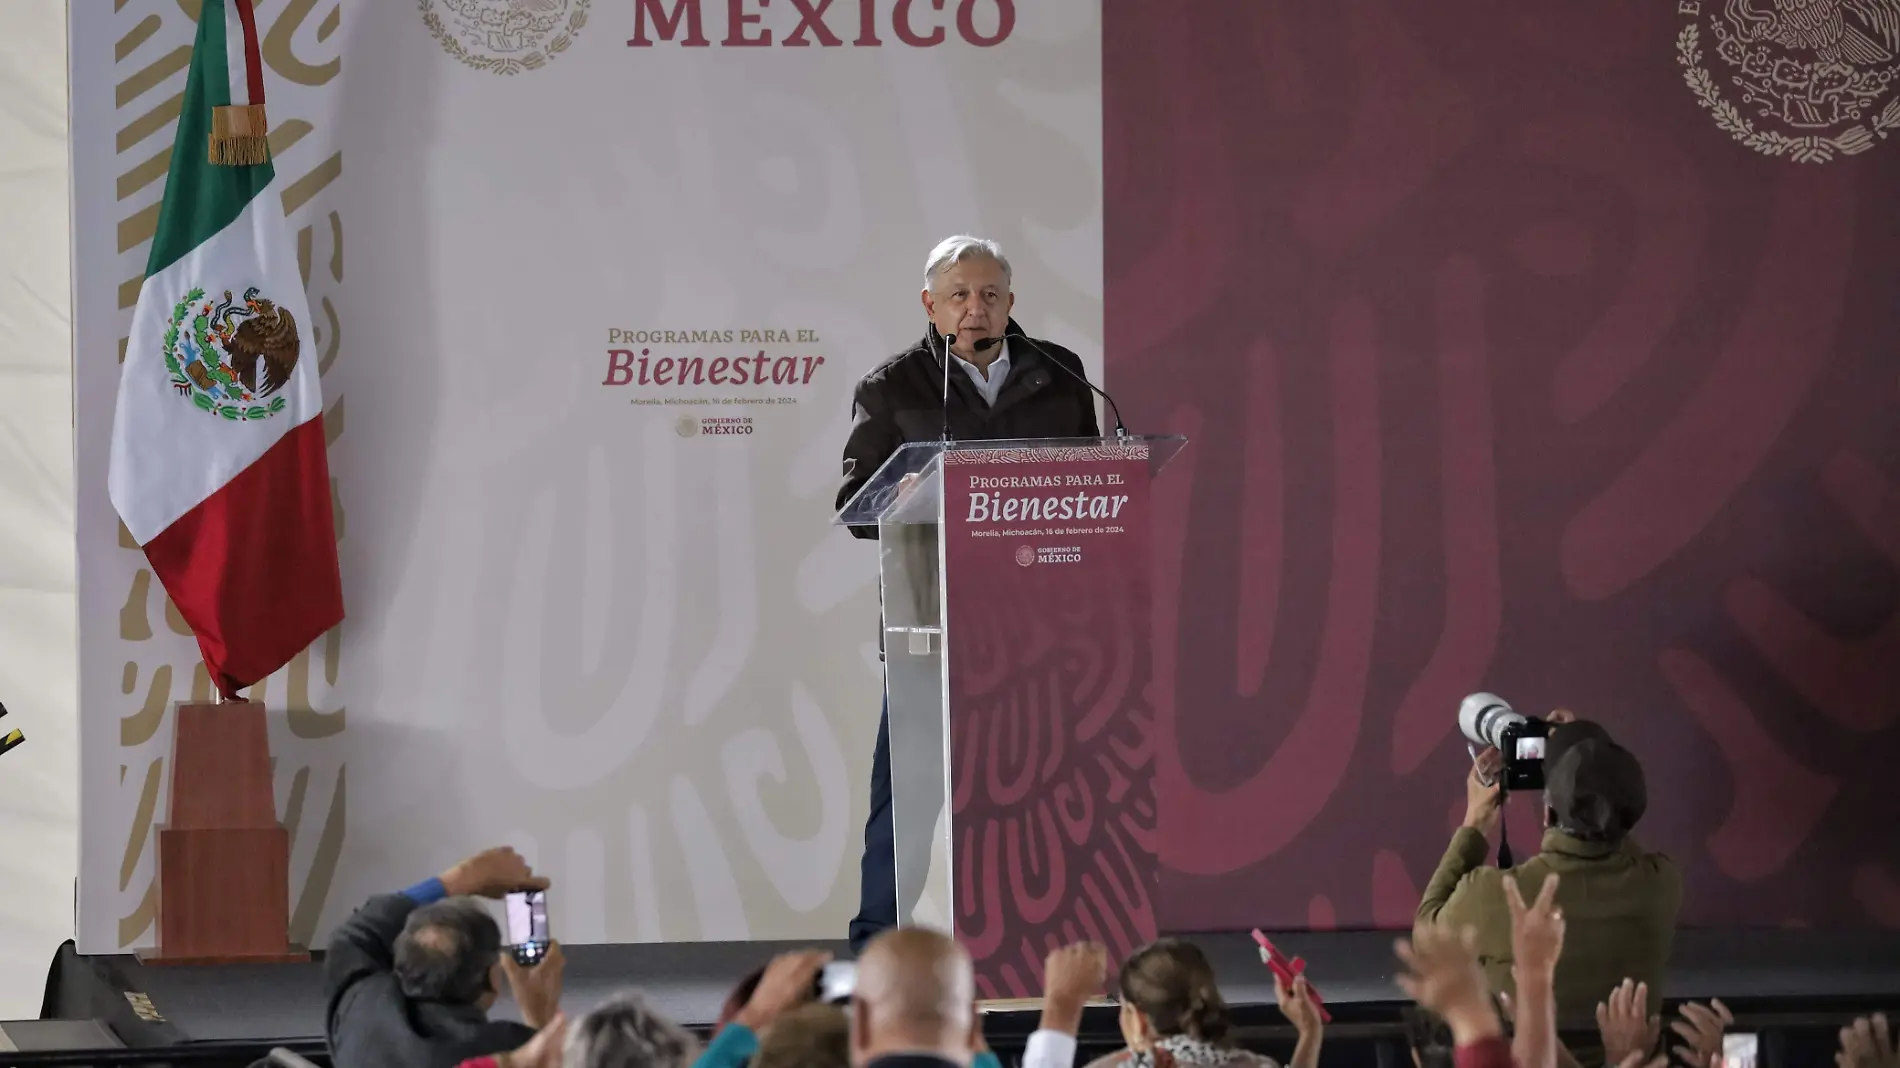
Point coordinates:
[(410, 977)]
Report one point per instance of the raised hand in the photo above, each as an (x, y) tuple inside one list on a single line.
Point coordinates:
[(789, 981), (1701, 1026), (1484, 803), (537, 989), (492, 873), (1297, 1005), (1071, 976), (1866, 1043), (1443, 975), (1625, 1023), (1537, 931)]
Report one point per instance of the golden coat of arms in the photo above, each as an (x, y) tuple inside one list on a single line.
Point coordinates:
[(1809, 80), (505, 36)]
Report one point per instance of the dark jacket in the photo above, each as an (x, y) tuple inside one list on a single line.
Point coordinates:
[(1619, 904), (371, 1023), (901, 400)]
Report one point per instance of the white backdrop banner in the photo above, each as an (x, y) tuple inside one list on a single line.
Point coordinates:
[(591, 282)]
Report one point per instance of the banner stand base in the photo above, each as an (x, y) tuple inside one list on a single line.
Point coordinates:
[(291, 955), (223, 868)]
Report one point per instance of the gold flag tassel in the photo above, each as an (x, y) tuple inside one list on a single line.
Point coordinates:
[(240, 135)]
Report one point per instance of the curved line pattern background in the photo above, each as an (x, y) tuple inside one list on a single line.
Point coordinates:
[(1506, 369)]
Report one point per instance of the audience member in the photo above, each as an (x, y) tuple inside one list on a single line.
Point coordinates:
[(1626, 1025), (1173, 1014), (1443, 975), (735, 1001), (1625, 1030), (915, 1005), (1620, 899), (1866, 1043), (810, 1036), (1429, 1037), (790, 980), (1071, 976), (1297, 1005), (1537, 943), (1702, 1027), (411, 976), (625, 1032), (541, 1051)]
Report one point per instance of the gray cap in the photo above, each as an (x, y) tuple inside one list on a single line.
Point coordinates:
[(1594, 786)]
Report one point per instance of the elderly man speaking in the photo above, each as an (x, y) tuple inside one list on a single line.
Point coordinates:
[(1002, 384)]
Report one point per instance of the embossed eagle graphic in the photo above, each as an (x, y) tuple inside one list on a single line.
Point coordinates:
[(1837, 31), (267, 335)]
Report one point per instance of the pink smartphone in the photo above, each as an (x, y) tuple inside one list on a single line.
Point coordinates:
[(1288, 970)]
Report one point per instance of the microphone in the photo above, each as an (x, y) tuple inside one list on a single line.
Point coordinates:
[(948, 340), (989, 343)]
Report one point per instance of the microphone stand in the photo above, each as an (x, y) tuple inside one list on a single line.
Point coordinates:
[(1121, 430), (948, 340)]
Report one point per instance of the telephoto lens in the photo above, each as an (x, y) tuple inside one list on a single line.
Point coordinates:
[(1483, 716)]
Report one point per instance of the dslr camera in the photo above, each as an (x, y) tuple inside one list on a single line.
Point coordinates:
[(1487, 720)]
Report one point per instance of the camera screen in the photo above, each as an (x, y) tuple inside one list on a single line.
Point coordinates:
[(527, 917), (1530, 749)]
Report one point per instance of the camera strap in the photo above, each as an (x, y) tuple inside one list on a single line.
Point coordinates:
[(1504, 829)]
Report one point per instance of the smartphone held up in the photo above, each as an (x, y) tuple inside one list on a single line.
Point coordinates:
[(1287, 969), (527, 914)]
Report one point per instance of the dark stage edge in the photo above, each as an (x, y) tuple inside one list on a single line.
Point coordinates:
[(1777, 973)]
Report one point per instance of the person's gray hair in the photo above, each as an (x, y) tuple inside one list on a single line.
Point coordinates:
[(625, 1032), (955, 250), (446, 950)]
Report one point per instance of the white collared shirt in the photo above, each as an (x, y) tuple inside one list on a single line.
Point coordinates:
[(993, 385)]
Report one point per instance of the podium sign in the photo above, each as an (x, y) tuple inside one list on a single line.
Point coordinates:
[(1015, 579), (1051, 757)]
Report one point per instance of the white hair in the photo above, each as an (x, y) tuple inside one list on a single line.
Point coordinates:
[(625, 1031), (955, 250)]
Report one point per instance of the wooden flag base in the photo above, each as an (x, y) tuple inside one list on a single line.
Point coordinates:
[(223, 859)]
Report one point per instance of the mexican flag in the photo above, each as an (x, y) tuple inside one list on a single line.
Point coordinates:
[(218, 464)]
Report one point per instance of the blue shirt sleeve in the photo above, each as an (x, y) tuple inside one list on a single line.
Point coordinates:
[(986, 1059), (732, 1047), (426, 892)]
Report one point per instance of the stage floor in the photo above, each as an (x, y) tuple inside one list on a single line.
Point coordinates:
[(689, 982)]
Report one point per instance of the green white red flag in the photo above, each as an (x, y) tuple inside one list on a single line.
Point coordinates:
[(218, 455)]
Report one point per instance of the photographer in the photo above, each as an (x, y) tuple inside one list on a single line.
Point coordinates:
[(411, 976), (1618, 900)]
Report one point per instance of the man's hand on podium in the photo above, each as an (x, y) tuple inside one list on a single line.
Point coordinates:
[(1070, 977), (492, 873)]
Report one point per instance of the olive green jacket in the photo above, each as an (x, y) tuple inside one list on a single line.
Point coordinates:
[(1619, 904)]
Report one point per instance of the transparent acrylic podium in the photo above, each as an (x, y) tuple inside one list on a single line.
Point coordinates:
[(905, 501)]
